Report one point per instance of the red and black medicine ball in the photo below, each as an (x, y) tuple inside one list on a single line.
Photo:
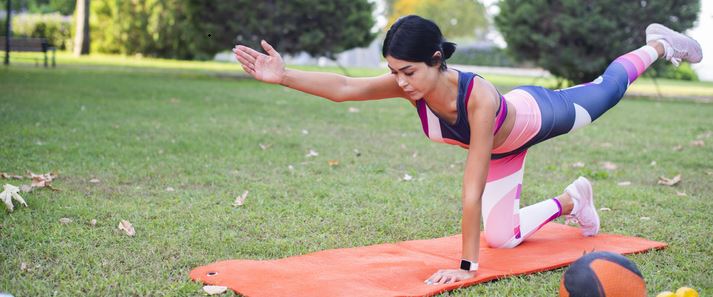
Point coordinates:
[(600, 274)]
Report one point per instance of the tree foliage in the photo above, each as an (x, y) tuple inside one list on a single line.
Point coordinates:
[(148, 27), (197, 29), (52, 26), (455, 18), (575, 39), (64, 7)]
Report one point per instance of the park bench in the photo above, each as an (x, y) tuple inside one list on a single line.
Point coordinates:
[(31, 44)]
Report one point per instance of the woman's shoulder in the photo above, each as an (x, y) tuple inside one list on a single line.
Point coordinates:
[(481, 92)]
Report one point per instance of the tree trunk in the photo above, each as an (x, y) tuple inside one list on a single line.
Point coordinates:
[(8, 21), (81, 36)]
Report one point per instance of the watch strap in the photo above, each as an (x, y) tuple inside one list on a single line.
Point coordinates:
[(468, 265)]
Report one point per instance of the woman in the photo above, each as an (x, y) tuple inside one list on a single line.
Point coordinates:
[(464, 109)]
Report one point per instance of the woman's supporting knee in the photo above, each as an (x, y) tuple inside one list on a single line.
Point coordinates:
[(500, 240)]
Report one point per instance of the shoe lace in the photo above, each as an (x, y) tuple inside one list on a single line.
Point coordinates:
[(677, 56), (571, 220)]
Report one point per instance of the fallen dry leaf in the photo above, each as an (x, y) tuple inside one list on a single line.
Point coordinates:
[(65, 221), (578, 165), (606, 144), (127, 227), (624, 183), (240, 199), (605, 209), (333, 163), (698, 143), (9, 193), (678, 148), (94, 180), (707, 134), (264, 146), (312, 153), (42, 180), (25, 188), (214, 290), (6, 175), (609, 165), (682, 194), (669, 182)]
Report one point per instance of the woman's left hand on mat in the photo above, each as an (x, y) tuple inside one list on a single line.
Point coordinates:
[(448, 276)]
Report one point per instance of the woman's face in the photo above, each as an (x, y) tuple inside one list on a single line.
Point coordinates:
[(416, 78)]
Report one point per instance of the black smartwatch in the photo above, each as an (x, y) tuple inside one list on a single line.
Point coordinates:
[(468, 265)]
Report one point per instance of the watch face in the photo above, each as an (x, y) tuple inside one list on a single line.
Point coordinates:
[(465, 265)]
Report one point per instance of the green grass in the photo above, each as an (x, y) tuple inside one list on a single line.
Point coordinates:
[(145, 127), (644, 87)]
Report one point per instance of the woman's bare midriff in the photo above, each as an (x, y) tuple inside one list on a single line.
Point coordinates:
[(505, 130)]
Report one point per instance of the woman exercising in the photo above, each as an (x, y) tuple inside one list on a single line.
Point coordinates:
[(464, 109)]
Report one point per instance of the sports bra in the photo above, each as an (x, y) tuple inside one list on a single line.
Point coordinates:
[(440, 130)]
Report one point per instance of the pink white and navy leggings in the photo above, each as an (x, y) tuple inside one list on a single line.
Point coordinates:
[(543, 114)]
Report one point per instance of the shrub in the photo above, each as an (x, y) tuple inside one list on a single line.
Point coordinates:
[(52, 26), (481, 56), (198, 29), (684, 72)]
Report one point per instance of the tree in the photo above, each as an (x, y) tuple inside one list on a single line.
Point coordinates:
[(320, 28), (575, 39), (455, 18), (81, 37), (198, 29)]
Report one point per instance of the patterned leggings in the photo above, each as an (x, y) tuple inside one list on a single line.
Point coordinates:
[(543, 114)]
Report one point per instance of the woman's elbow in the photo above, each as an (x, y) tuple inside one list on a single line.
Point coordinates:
[(339, 98), (471, 202)]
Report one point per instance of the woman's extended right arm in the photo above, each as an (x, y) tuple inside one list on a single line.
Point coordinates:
[(271, 69)]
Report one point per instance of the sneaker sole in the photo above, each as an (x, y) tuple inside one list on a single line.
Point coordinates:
[(590, 198)]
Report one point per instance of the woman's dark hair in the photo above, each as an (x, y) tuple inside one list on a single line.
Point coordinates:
[(413, 38)]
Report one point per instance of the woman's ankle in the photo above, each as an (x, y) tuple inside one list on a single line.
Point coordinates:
[(566, 203), (658, 46)]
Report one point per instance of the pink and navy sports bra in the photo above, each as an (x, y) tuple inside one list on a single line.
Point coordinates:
[(440, 130)]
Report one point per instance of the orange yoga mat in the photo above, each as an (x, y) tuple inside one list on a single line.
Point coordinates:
[(399, 269)]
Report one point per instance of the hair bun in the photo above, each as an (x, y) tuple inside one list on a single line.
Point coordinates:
[(448, 49)]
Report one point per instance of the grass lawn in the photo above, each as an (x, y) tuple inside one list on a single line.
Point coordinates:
[(143, 128)]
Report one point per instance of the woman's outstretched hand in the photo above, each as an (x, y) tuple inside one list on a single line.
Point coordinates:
[(268, 68), (448, 276)]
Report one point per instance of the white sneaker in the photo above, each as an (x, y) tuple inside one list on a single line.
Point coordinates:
[(585, 214), (677, 46)]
